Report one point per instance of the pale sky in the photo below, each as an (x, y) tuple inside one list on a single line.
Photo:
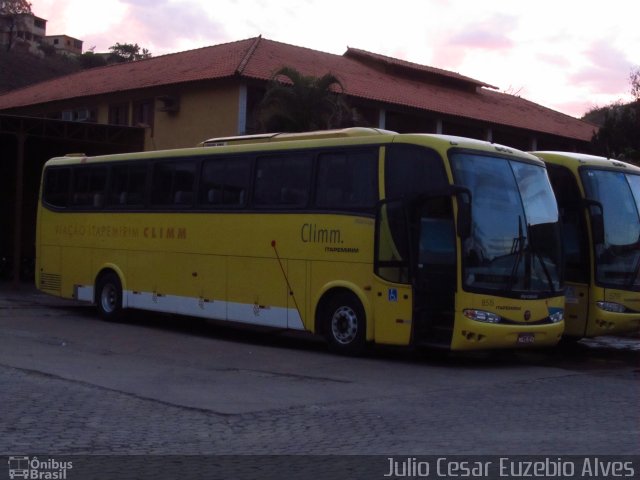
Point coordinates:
[(569, 55)]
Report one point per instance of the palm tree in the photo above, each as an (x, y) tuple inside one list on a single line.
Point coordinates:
[(295, 102)]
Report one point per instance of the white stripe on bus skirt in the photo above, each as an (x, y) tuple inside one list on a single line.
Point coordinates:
[(198, 307)]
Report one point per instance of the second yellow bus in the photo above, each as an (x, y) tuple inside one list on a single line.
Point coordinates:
[(599, 201)]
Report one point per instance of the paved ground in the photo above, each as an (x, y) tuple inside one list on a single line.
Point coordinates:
[(72, 384)]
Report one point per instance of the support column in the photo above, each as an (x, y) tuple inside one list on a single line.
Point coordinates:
[(382, 118), (242, 110), (534, 144), (17, 224), (439, 126), (489, 136)]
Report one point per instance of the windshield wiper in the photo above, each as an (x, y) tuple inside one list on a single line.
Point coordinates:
[(530, 250), (537, 255), (518, 244)]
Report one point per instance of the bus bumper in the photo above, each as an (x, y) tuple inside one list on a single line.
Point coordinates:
[(472, 335), (610, 323)]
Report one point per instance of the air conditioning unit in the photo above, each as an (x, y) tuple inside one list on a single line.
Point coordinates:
[(169, 103)]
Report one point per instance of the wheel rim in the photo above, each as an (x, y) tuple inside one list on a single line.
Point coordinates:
[(344, 325), (109, 298)]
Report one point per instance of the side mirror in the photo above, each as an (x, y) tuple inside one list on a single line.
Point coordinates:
[(596, 213), (463, 196)]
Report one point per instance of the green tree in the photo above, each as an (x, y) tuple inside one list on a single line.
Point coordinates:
[(13, 10), (13, 7), (634, 78), (295, 102), (618, 135), (90, 59), (619, 132), (127, 52)]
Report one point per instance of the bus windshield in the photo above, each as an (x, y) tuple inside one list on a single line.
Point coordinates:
[(514, 243), (618, 258)]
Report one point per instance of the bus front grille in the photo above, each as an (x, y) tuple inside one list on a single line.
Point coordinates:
[(50, 281)]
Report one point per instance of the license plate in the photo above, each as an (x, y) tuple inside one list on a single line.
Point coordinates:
[(526, 338)]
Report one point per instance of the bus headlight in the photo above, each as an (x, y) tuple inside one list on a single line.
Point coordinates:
[(611, 307), (482, 316), (556, 317)]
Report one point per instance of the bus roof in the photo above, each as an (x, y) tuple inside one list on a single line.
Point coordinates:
[(274, 141), (280, 137), (581, 159)]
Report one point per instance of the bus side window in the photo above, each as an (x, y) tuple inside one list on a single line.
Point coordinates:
[(224, 182), (437, 244), (347, 180), (392, 243), (173, 184), (283, 180), (128, 184), (56, 187), (89, 187), (411, 170)]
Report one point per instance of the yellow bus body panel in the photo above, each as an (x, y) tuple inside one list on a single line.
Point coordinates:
[(393, 316), (246, 259)]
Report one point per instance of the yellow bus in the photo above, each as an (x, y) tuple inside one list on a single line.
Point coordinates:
[(359, 235), (599, 200)]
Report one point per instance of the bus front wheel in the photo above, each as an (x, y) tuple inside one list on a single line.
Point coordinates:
[(109, 297), (345, 324)]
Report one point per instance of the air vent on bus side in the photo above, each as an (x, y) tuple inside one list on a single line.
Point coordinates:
[(50, 281)]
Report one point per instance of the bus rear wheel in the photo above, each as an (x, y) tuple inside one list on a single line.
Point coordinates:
[(345, 324), (109, 297)]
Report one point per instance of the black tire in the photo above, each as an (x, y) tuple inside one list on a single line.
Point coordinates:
[(109, 297), (344, 324)]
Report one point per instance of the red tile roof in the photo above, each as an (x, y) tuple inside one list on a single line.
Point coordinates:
[(363, 74), (201, 64), (410, 66)]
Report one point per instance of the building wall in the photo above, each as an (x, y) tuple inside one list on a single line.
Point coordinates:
[(203, 113), (64, 44), (28, 31), (205, 110)]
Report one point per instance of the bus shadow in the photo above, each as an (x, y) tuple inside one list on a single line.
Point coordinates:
[(585, 355), (225, 331), (588, 354)]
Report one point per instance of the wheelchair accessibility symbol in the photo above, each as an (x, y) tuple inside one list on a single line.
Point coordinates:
[(393, 295)]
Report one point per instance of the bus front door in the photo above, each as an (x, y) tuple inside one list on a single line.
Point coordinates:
[(392, 299), (416, 272), (435, 273), (576, 313)]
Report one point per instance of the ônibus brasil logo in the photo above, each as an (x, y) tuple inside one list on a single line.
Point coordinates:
[(33, 468)]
